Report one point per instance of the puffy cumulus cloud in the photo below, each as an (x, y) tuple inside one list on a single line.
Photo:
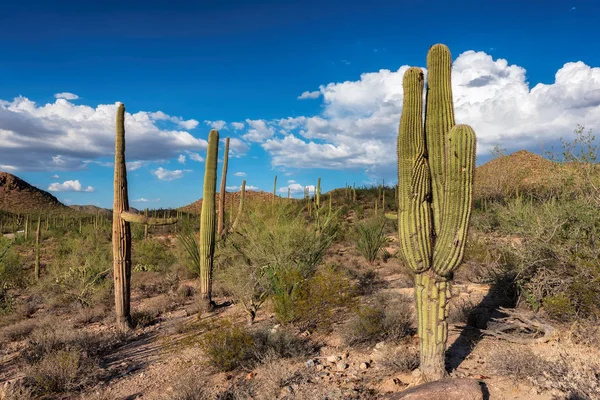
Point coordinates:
[(359, 123), (238, 125), (66, 96), (309, 95), (295, 188), (69, 186), (195, 156), (218, 125), (237, 148), (181, 159), (236, 188), (169, 175), (55, 176), (133, 165), (240, 174), (259, 130), (63, 136)]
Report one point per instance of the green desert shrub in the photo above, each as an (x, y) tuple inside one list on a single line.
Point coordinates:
[(371, 237), (151, 255)]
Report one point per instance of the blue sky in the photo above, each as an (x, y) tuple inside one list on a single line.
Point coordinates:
[(525, 74)]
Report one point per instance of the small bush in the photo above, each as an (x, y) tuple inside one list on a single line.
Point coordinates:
[(371, 237), (59, 371), (16, 391), (401, 359), (374, 323), (229, 347), (460, 311), (151, 255), (19, 330), (188, 387)]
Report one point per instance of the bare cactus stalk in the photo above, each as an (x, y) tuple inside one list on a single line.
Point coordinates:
[(146, 225), (222, 194), (240, 207), (121, 231), (274, 188), (26, 227), (37, 249), (207, 220)]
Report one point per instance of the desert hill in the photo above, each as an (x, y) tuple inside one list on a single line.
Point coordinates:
[(18, 196), (253, 196), (89, 209)]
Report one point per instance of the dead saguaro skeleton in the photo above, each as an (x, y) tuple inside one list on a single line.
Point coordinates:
[(121, 230)]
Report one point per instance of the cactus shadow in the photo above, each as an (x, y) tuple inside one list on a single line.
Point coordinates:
[(502, 293)]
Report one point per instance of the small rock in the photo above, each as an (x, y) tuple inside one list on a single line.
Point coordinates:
[(345, 355), (380, 345), (287, 390), (250, 375), (319, 367), (363, 365), (310, 363), (333, 359), (341, 366)]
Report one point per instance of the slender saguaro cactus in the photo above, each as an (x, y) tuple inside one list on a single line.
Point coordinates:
[(26, 227), (121, 230), (274, 188), (435, 174), (221, 222), (240, 207), (207, 220), (289, 193), (37, 249)]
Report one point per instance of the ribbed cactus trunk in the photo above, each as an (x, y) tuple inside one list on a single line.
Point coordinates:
[(121, 231), (240, 207), (208, 220), (222, 194), (274, 188), (37, 249), (146, 225), (436, 163)]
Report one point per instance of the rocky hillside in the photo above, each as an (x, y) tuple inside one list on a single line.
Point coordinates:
[(18, 196), (88, 209)]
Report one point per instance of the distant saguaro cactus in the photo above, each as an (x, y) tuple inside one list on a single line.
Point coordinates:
[(274, 188), (207, 219), (240, 207), (37, 249), (435, 174), (121, 230), (222, 194)]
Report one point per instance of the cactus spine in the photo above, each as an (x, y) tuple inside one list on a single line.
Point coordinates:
[(435, 174), (222, 194), (207, 219)]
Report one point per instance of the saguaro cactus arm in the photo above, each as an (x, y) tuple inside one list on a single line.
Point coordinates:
[(222, 194), (144, 219)]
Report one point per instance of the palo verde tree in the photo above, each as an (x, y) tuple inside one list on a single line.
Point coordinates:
[(435, 173), (121, 230)]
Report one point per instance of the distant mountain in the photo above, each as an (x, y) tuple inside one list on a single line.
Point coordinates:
[(89, 209), (18, 196)]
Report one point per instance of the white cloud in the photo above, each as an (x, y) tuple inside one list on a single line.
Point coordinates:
[(55, 176), (358, 126), (195, 156), (237, 125), (65, 136), (169, 175), (259, 130), (309, 95), (69, 186), (237, 148), (185, 124), (236, 188), (144, 200), (181, 159), (133, 165), (240, 174), (66, 96), (296, 188), (218, 125)]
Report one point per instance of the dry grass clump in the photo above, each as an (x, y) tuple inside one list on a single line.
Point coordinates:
[(574, 374), (18, 331), (380, 321), (400, 359)]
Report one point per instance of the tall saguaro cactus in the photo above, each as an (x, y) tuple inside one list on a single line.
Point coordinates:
[(121, 230), (221, 222), (207, 219), (436, 163)]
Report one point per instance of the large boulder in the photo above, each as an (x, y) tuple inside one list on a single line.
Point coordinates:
[(444, 389)]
